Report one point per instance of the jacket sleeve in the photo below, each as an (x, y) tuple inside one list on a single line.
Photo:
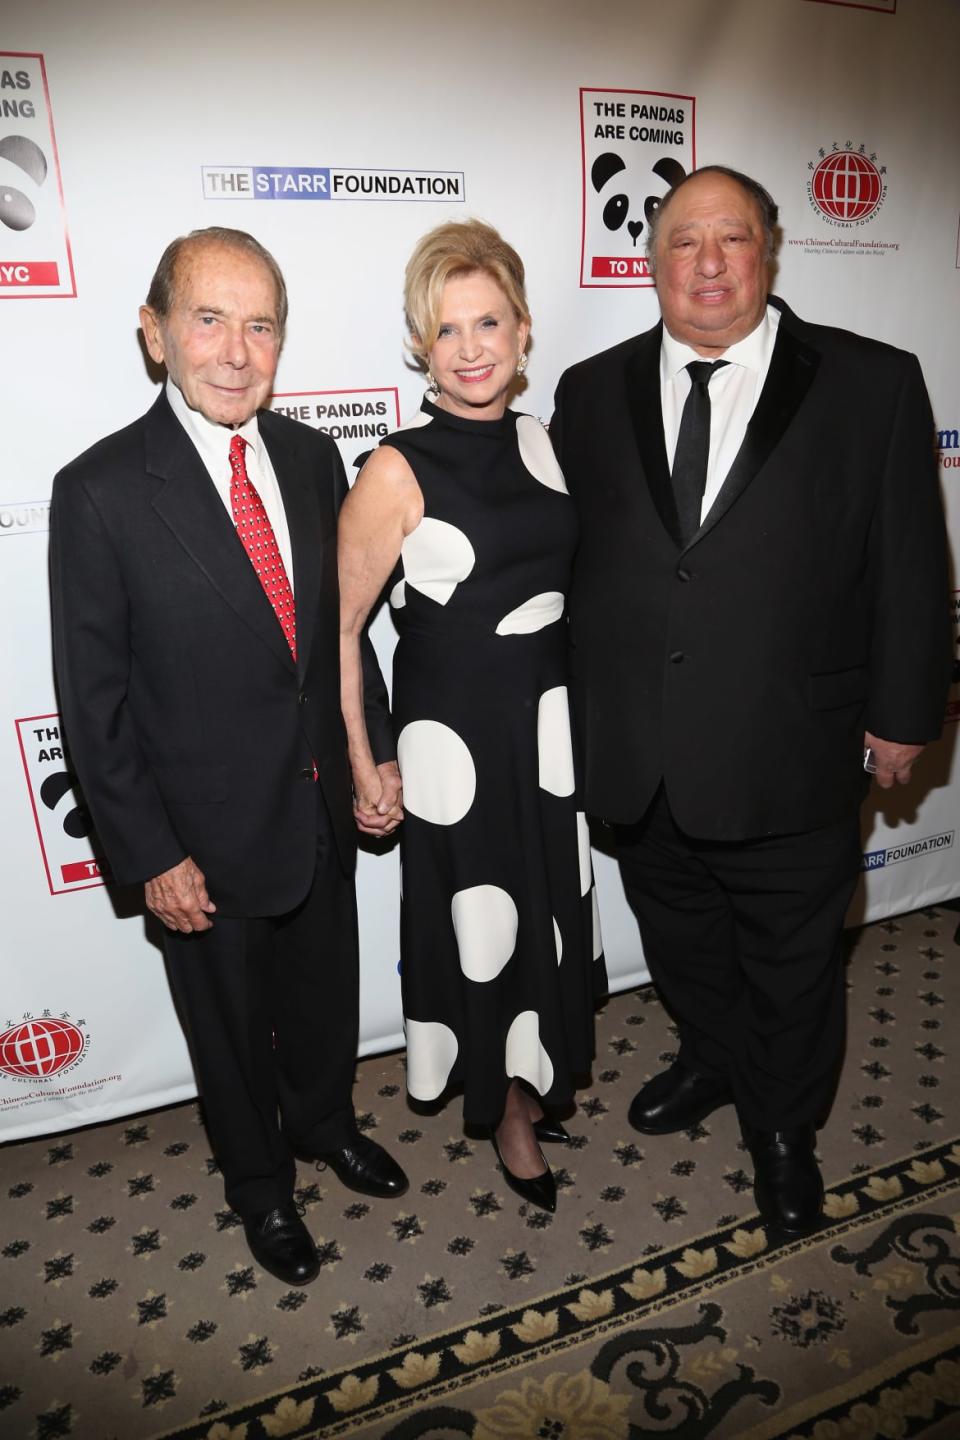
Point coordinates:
[(556, 420), (911, 653), (376, 703), (91, 644)]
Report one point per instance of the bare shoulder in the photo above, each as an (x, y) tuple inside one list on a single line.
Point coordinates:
[(387, 468), (387, 484)]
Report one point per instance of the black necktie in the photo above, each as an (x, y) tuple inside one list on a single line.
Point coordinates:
[(693, 448)]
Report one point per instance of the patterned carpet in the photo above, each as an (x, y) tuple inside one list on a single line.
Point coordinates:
[(652, 1304)]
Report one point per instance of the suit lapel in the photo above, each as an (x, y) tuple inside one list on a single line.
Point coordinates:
[(189, 504), (792, 368), (646, 413), (302, 508)]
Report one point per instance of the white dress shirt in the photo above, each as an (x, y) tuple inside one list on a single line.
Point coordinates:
[(734, 392), (213, 445)]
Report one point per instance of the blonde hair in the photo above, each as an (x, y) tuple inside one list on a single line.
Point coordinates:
[(459, 247)]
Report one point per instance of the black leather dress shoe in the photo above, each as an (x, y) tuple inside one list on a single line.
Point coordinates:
[(363, 1165), (787, 1183), (676, 1099), (539, 1190), (280, 1243)]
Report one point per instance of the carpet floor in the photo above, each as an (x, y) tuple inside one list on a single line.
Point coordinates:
[(654, 1303)]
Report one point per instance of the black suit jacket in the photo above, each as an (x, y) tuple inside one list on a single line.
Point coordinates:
[(191, 728), (810, 605)]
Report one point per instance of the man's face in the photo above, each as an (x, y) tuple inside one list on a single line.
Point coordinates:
[(221, 340), (712, 269)]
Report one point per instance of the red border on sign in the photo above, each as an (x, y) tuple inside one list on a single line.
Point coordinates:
[(622, 90), (64, 294), (25, 720)]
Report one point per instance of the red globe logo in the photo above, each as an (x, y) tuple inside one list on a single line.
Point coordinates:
[(37, 1049), (846, 186)]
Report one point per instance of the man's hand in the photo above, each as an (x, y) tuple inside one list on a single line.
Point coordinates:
[(378, 798), (894, 762), (179, 898)]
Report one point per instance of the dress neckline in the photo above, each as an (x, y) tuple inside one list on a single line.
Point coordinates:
[(460, 422)]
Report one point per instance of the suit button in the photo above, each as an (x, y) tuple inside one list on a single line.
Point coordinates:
[(306, 773), (676, 657), (684, 575), (301, 698)]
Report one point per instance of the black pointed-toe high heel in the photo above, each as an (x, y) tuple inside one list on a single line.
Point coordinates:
[(540, 1190), (547, 1128)]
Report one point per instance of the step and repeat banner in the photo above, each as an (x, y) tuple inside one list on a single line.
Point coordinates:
[(338, 135)]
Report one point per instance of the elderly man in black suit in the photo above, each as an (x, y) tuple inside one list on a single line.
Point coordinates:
[(758, 611), (196, 635)]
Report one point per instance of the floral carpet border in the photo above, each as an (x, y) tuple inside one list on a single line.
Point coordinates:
[(901, 1398), (339, 1402)]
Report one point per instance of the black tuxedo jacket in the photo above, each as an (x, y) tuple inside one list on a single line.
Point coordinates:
[(810, 605), (192, 729)]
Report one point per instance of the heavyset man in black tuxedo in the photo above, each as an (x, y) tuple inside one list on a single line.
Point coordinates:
[(759, 597), (203, 715)]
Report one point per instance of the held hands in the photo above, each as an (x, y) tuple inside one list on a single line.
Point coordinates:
[(894, 761), (377, 798), (179, 898)]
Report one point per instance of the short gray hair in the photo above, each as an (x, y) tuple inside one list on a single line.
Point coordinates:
[(164, 283), (764, 201)]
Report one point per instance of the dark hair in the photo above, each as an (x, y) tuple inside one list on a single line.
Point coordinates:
[(764, 201), (163, 285)]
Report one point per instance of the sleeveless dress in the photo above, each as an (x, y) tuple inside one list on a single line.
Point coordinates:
[(501, 959)]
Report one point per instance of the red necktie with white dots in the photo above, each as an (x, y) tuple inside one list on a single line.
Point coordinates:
[(260, 543)]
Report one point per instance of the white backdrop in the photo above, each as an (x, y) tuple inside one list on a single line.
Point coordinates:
[(338, 135)]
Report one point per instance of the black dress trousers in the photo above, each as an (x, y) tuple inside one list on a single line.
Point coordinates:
[(270, 1006), (742, 939)]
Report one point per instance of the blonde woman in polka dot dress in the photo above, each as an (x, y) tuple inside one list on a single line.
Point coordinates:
[(463, 515)]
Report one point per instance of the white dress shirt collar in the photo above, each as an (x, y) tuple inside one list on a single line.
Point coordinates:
[(734, 392), (753, 352), (212, 443), (211, 440)]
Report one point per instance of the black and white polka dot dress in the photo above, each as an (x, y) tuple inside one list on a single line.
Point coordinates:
[(501, 958)]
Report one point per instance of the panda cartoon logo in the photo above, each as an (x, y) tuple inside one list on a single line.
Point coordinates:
[(619, 209), (21, 155)]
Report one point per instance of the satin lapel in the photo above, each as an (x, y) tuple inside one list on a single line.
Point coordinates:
[(643, 400), (302, 507), (792, 368), (189, 504)]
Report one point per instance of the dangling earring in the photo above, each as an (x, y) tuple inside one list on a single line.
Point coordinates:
[(432, 387), (522, 363)]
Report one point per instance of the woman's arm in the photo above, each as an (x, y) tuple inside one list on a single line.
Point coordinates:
[(383, 507)]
